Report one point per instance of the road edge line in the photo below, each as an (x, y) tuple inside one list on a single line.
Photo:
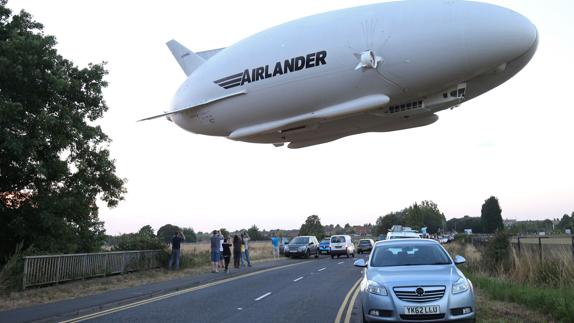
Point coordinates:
[(344, 304)]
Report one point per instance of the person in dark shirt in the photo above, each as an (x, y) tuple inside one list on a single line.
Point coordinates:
[(226, 253), (236, 251), (178, 237)]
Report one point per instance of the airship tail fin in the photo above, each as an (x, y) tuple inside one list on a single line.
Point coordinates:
[(188, 60)]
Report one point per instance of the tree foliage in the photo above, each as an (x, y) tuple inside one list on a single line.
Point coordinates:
[(312, 227), (54, 162), (255, 234), (166, 232), (425, 214), (144, 239), (466, 222), (491, 216)]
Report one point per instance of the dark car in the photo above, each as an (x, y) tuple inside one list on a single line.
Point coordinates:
[(365, 245), (303, 246)]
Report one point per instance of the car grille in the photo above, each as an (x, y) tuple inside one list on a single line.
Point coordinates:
[(422, 317), (429, 293)]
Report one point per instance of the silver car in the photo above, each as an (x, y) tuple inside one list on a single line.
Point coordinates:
[(414, 280)]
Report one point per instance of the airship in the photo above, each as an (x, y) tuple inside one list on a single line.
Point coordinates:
[(375, 68)]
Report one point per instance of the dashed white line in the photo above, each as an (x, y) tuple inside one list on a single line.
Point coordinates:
[(240, 308), (322, 269), (342, 262), (298, 279), (262, 296)]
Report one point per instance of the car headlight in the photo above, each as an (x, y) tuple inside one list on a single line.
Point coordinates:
[(461, 285), (376, 289)]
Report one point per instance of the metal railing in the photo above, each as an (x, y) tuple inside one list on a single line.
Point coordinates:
[(51, 269)]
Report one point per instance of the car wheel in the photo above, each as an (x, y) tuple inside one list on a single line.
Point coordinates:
[(347, 255), (332, 256), (317, 254), (353, 254), (307, 253), (338, 256)]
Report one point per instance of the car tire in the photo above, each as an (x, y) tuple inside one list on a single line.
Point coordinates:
[(332, 256), (307, 253), (317, 254), (338, 256), (353, 255)]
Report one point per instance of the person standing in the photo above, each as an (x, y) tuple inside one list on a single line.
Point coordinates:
[(236, 250), (221, 263), (226, 254), (215, 244), (275, 243), (245, 239), (178, 237)]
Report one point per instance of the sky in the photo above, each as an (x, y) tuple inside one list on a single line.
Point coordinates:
[(514, 142)]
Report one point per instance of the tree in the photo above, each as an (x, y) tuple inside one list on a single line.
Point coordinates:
[(312, 227), (144, 239), (385, 223), (254, 233), (189, 234), (166, 232), (54, 162), (491, 216), (349, 229)]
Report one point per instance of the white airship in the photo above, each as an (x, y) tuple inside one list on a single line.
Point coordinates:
[(375, 68)]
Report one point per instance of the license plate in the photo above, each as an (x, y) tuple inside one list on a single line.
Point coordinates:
[(422, 310), (338, 247)]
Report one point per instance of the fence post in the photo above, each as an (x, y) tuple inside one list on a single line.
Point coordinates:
[(518, 237), (572, 245), (84, 266), (58, 270), (26, 272), (540, 248), (105, 265), (123, 263)]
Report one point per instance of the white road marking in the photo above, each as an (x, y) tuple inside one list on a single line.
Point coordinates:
[(298, 279), (262, 296), (322, 269), (240, 308), (342, 262)]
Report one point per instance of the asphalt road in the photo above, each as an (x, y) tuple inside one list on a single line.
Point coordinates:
[(313, 290)]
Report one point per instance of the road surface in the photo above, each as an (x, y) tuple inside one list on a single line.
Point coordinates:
[(308, 290)]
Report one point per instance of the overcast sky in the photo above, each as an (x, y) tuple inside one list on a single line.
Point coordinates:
[(514, 142)]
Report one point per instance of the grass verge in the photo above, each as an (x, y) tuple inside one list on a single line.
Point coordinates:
[(556, 302)]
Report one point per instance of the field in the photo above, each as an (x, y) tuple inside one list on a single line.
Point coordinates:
[(257, 249)]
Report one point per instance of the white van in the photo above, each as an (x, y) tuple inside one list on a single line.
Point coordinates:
[(341, 245)]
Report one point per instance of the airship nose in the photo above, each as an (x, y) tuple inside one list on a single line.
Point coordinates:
[(496, 35)]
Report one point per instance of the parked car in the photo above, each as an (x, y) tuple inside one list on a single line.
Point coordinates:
[(324, 245), (282, 243), (365, 245), (402, 235), (303, 246), (414, 280), (341, 245)]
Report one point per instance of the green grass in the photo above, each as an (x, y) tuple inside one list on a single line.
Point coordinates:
[(557, 302)]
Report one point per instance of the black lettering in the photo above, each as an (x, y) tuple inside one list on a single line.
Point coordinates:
[(278, 70), (267, 74), (321, 58), (246, 78), (299, 63), (259, 74), (310, 60), (289, 65)]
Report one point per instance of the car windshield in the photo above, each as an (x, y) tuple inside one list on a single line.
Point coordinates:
[(364, 242), (337, 239), (409, 254), (403, 237), (300, 240), (325, 241)]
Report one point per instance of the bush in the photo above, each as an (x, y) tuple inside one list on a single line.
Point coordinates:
[(497, 253)]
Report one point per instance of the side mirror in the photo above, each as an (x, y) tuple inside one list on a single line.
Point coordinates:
[(459, 260), (360, 263)]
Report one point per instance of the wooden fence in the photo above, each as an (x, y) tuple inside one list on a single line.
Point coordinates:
[(51, 269)]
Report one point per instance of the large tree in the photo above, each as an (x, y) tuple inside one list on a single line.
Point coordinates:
[(54, 160), (312, 227), (491, 216)]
